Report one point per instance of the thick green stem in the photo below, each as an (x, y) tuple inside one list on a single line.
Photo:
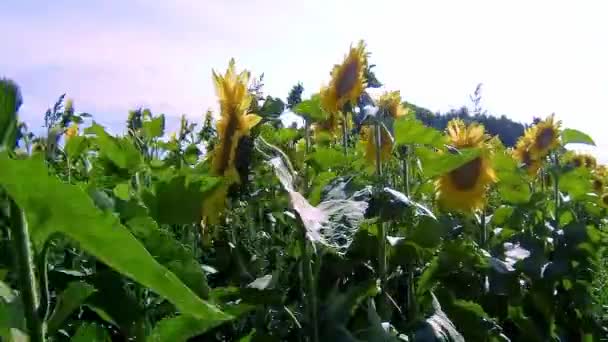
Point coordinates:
[(307, 135), (556, 190), (382, 227), (345, 131), (25, 271), (311, 294), (406, 174)]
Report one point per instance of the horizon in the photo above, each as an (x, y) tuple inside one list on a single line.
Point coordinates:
[(532, 59)]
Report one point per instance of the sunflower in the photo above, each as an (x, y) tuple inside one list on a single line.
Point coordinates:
[(463, 189), (331, 123), (604, 200), (598, 184), (584, 160), (545, 136), (390, 103), (71, 131), (522, 154), (347, 80), (368, 136), (602, 171), (590, 161), (233, 125)]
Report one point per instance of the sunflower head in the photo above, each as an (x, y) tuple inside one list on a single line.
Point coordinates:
[(368, 136), (463, 189), (545, 136), (590, 161), (347, 79), (598, 184), (583, 160), (234, 122), (604, 200), (71, 131), (601, 171), (390, 103), (525, 157), (69, 106)]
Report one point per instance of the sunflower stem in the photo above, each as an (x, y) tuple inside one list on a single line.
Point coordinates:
[(345, 131), (382, 227), (26, 275), (406, 173), (556, 190), (309, 285)]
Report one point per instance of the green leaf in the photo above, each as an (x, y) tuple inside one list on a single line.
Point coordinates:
[(436, 164), (319, 183), (409, 130), (576, 182), (52, 206), (179, 199), (10, 101), (120, 151), (69, 300), (311, 109), (512, 183), (122, 191), (89, 332), (325, 158), (154, 128), (572, 136), (342, 304), (438, 327), (75, 146), (180, 329), (170, 253), (272, 107)]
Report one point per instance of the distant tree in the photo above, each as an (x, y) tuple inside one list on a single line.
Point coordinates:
[(295, 95)]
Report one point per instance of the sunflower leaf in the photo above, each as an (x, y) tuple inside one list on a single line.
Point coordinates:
[(572, 136), (311, 109), (409, 130), (435, 164)]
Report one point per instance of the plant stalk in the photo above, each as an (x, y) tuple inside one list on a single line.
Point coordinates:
[(556, 190), (309, 287), (345, 131), (382, 227), (24, 261)]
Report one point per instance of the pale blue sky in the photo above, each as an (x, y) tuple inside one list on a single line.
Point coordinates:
[(534, 57)]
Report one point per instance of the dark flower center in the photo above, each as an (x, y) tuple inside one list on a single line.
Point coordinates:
[(346, 81), (466, 176), (545, 138)]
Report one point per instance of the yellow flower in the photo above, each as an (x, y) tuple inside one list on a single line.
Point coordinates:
[(234, 123), (590, 161), (602, 171), (347, 80), (522, 154), (71, 131), (464, 188), (391, 104), (368, 135), (584, 160), (331, 123), (545, 137), (69, 106), (598, 184), (604, 200)]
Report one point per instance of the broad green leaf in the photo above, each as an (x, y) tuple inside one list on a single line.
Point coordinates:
[(67, 302), (10, 101), (120, 151), (180, 329), (272, 107), (311, 109), (154, 128), (410, 130), (170, 253), (319, 183), (122, 191), (438, 327), (325, 158), (437, 163), (52, 206), (90, 332), (512, 183), (572, 136), (342, 304), (75, 146), (576, 182), (179, 199)]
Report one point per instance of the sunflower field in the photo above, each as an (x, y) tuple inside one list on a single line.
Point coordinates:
[(364, 224)]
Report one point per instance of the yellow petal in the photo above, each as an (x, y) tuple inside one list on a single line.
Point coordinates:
[(251, 120)]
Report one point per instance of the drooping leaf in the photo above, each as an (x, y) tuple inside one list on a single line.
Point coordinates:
[(438, 327), (410, 130), (311, 109), (325, 158), (120, 151), (575, 182), (390, 204), (178, 200), (435, 163), (512, 184), (52, 206), (10, 101), (67, 302), (170, 253), (342, 304), (180, 328), (572, 136), (90, 332), (154, 128), (75, 146)]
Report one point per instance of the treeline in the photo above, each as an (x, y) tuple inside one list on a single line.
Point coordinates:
[(507, 130)]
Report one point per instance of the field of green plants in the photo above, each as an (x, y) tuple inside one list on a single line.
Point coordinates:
[(362, 225)]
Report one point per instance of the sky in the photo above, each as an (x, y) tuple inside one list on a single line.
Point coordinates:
[(534, 58)]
